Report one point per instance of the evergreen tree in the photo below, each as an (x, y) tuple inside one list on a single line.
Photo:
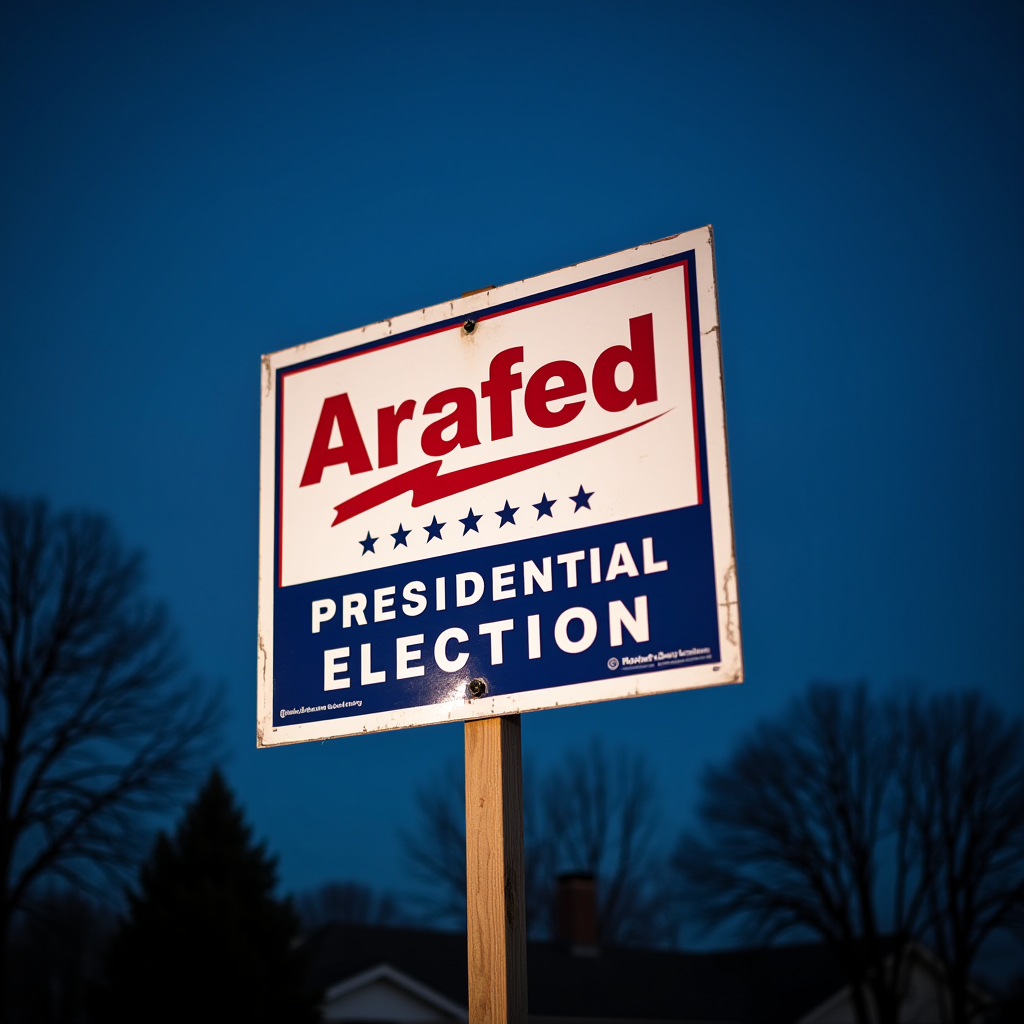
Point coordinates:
[(204, 937)]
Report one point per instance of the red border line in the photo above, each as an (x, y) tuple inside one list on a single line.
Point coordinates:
[(693, 398), (427, 332), (279, 554)]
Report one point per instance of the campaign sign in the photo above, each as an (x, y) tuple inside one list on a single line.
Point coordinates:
[(512, 501)]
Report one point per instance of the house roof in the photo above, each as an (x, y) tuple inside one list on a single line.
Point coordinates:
[(387, 986), (779, 983), (436, 959)]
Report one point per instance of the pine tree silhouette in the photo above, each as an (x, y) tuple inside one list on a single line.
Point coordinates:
[(204, 938)]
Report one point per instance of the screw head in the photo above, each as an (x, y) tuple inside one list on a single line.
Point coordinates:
[(477, 687), (469, 326)]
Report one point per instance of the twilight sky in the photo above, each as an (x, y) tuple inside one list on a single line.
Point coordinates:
[(185, 186)]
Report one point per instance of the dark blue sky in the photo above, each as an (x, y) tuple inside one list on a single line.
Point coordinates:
[(185, 186)]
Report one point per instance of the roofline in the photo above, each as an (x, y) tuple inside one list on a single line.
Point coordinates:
[(384, 971), (914, 948)]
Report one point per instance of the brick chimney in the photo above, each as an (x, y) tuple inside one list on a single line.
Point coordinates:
[(576, 913)]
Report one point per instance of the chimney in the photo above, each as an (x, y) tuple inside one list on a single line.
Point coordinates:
[(576, 913)]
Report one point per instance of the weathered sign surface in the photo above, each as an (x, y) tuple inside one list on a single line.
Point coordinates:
[(515, 500)]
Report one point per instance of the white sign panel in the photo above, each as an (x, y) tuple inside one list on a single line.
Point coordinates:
[(515, 500)]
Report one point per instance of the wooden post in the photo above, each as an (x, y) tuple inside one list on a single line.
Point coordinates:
[(495, 874)]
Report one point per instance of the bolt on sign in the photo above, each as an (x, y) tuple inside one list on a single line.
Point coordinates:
[(515, 500)]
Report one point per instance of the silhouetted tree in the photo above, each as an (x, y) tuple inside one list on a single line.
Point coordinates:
[(864, 824), (98, 734), (205, 937), (793, 828), (435, 848), (594, 812), (346, 903), (54, 957), (963, 788), (601, 818)]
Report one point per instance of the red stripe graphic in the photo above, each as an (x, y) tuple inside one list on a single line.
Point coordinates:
[(427, 485)]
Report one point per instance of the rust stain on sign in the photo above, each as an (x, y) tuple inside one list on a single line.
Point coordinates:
[(731, 602), (268, 375)]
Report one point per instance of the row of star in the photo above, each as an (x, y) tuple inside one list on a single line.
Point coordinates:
[(507, 515)]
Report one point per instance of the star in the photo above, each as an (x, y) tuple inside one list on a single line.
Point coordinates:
[(507, 515), (543, 506), (368, 543), (400, 536), (434, 529), (469, 523), (582, 499)]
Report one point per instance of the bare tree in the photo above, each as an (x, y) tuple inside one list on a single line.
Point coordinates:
[(600, 817), (964, 791), (794, 828), (346, 903), (593, 812), (435, 848), (97, 731), (868, 824)]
